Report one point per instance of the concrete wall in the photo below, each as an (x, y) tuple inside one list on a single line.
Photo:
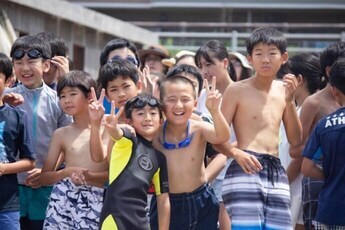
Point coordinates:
[(75, 24)]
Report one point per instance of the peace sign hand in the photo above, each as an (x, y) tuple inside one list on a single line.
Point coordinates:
[(96, 109), (213, 97), (111, 122)]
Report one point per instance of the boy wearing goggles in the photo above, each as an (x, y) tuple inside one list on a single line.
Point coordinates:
[(134, 163), (31, 59), (183, 142)]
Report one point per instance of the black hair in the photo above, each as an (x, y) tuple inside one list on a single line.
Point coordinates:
[(117, 68), (117, 44), (308, 65), (330, 55), (140, 101), (6, 67), (175, 79), (337, 75), (57, 44), (32, 42), (77, 79), (214, 49), (211, 49), (188, 69), (266, 35)]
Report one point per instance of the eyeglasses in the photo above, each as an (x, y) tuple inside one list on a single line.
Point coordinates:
[(139, 102), (184, 143), (32, 53), (128, 58)]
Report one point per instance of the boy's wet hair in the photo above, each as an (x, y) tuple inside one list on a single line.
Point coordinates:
[(32, 42), (6, 67), (267, 36), (77, 79), (175, 79), (117, 44), (188, 69), (337, 75), (57, 44), (115, 69), (330, 55), (140, 101)]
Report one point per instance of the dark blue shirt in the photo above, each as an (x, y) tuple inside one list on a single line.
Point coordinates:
[(15, 141), (327, 144)]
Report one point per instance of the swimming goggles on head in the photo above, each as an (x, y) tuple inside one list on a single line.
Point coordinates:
[(184, 143), (32, 53), (128, 58)]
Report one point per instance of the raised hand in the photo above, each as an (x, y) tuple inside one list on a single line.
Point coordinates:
[(62, 65), (96, 109), (146, 81), (290, 83), (213, 97), (111, 122)]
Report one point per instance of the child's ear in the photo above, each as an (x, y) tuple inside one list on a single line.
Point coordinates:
[(139, 86), (285, 57), (46, 66), (250, 60), (328, 70), (195, 103), (89, 97), (226, 63), (128, 121)]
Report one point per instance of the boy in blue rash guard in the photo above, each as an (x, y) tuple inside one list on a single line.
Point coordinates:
[(134, 163), (31, 59), (15, 141), (327, 142)]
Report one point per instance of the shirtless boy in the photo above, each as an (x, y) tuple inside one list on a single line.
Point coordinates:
[(183, 142), (255, 107)]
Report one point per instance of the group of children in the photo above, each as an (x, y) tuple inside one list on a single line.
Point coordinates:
[(92, 149)]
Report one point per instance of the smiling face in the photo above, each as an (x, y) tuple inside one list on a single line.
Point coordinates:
[(267, 60), (73, 101), (178, 101), (145, 121), (30, 71)]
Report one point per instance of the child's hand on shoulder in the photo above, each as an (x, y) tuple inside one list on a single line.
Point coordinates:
[(290, 83), (213, 97), (96, 109)]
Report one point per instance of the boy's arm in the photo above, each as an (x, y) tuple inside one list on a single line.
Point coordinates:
[(292, 124), (48, 174), (248, 162), (163, 208), (307, 117), (310, 169), (96, 113), (97, 179), (312, 153), (215, 166), (19, 166), (220, 133)]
